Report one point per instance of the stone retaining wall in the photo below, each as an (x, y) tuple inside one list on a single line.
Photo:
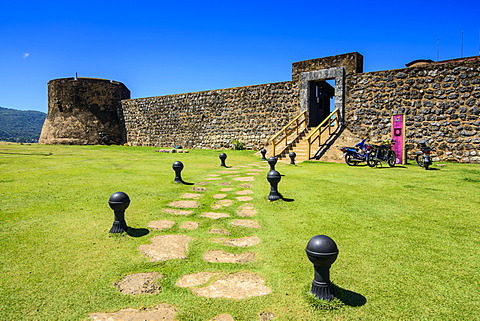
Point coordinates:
[(441, 101), (211, 119)]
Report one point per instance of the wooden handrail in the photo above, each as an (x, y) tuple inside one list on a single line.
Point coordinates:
[(286, 132), (318, 131)]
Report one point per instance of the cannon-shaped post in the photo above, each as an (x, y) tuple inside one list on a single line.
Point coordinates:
[(263, 151), (119, 202), (292, 156), (274, 178), (222, 157), (322, 252), (272, 161)]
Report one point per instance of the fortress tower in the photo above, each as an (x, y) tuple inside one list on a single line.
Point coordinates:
[(84, 111)]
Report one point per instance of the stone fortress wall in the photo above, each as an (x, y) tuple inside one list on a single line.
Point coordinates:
[(441, 102), (211, 119)]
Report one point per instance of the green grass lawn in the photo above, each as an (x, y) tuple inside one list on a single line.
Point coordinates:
[(408, 238)]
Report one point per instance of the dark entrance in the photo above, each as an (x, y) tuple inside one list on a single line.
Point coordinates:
[(321, 93)]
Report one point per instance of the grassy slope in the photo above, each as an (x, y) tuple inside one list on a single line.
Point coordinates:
[(408, 238)]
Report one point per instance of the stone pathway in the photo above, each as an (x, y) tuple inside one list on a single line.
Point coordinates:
[(230, 192)]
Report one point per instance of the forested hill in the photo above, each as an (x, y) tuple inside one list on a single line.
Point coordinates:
[(21, 126)]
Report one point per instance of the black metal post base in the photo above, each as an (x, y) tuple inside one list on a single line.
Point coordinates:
[(323, 291), (119, 227), (274, 196)]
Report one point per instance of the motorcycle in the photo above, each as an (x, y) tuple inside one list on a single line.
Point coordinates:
[(355, 155), (382, 153), (423, 156)]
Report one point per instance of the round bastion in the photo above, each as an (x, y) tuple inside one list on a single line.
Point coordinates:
[(85, 111)]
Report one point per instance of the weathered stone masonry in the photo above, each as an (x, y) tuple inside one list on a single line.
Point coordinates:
[(441, 101), (211, 119), (84, 111)]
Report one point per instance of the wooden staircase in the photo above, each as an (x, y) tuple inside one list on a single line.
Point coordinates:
[(299, 146), (307, 142)]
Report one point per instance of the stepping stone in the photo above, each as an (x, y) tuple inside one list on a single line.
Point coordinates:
[(195, 279), (255, 170), (244, 192), (225, 184), (229, 172), (244, 179), (213, 175), (140, 283), (221, 203), (219, 196), (239, 242), (202, 183), (164, 312), (161, 224), (184, 204), (192, 195), (223, 317), (253, 174), (244, 198), (226, 189), (177, 212), (190, 225), (246, 210), (199, 189), (214, 216), (236, 175), (246, 223), (215, 256), (246, 185), (166, 247), (212, 178), (239, 285), (219, 231)]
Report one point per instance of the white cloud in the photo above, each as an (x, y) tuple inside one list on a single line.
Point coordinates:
[(25, 55)]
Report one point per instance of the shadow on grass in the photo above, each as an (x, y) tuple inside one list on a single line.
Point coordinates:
[(287, 199), (349, 298), (342, 298), (27, 154), (393, 167), (137, 232)]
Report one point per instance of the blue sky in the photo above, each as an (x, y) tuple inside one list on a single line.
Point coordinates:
[(167, 47)]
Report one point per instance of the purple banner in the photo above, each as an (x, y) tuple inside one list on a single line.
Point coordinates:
[(398, 135)]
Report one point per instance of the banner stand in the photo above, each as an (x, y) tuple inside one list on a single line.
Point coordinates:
[(398, 135)]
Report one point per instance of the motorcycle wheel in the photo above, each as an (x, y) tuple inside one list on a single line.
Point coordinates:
[(392, 159), (348, 160), (426, 165), (371, 161), (420, 160)]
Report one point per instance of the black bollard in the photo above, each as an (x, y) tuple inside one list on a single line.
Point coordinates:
[(222, 157), (177, 167), (272, 161), (263, 151), (322, 252), (119, 202), (274, 178), (292, 156)]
